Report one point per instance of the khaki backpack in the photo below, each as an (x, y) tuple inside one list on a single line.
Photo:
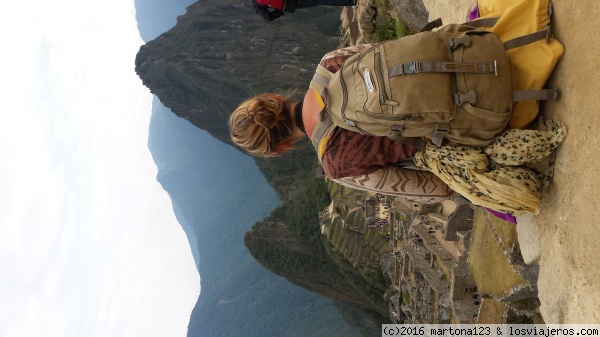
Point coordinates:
[(452, 84)]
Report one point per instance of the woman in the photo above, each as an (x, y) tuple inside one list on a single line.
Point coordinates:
[(269, 124)]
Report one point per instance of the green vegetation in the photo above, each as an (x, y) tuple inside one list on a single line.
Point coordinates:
[(538, 319), (388, 26), (290, 244), (297, 231), (506, 232), (529, 305), (337, 191), (390, 30), (491, 269), (355, 248), (492, 312), (373, 285), (406, 298)]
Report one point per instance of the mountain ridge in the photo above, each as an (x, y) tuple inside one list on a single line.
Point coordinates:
[(188, 67)]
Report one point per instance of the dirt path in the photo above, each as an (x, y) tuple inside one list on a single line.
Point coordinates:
[(565, 238)]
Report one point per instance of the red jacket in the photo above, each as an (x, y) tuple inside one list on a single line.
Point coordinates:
[(277, 4)]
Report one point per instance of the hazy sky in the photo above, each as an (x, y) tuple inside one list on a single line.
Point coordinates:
[(89, 245)]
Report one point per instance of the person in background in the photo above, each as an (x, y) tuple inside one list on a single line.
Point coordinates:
[(272, 9)]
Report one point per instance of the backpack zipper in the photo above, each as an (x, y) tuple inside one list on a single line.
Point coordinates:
[(345, 103), (383, 96)]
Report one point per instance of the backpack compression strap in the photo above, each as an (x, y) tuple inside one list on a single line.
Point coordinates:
[(442, 67), (432, 25)]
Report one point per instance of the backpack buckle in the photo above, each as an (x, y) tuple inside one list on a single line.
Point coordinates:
[(396, 132), (456, 42), (322, 115), (320, 172), (412, 68), (441, 129), (470, 97)]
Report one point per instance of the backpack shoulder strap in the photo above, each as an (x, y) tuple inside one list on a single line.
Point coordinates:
[(320, 81), (320, 136), (323, 128), (529, 38)]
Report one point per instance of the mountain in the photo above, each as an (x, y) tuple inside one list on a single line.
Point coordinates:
[(217, 55), (220, 53)]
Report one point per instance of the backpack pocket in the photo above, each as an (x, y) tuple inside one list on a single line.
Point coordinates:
[(400, 100), (476, 126), (422, 98), (374, 92), (495, 119), (419, 97), (373, 86)]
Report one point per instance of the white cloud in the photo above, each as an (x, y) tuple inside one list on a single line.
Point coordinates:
[(89, 245)]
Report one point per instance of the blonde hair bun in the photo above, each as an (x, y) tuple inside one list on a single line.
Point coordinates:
[(261, 123)]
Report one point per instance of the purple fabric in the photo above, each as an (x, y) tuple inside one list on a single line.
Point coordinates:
[(503, 216), (473, 14)]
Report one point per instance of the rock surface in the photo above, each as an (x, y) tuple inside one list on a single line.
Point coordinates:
[(412, 13)]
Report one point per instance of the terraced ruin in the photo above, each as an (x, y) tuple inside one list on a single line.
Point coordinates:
[(346, 225), (449, 262)]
